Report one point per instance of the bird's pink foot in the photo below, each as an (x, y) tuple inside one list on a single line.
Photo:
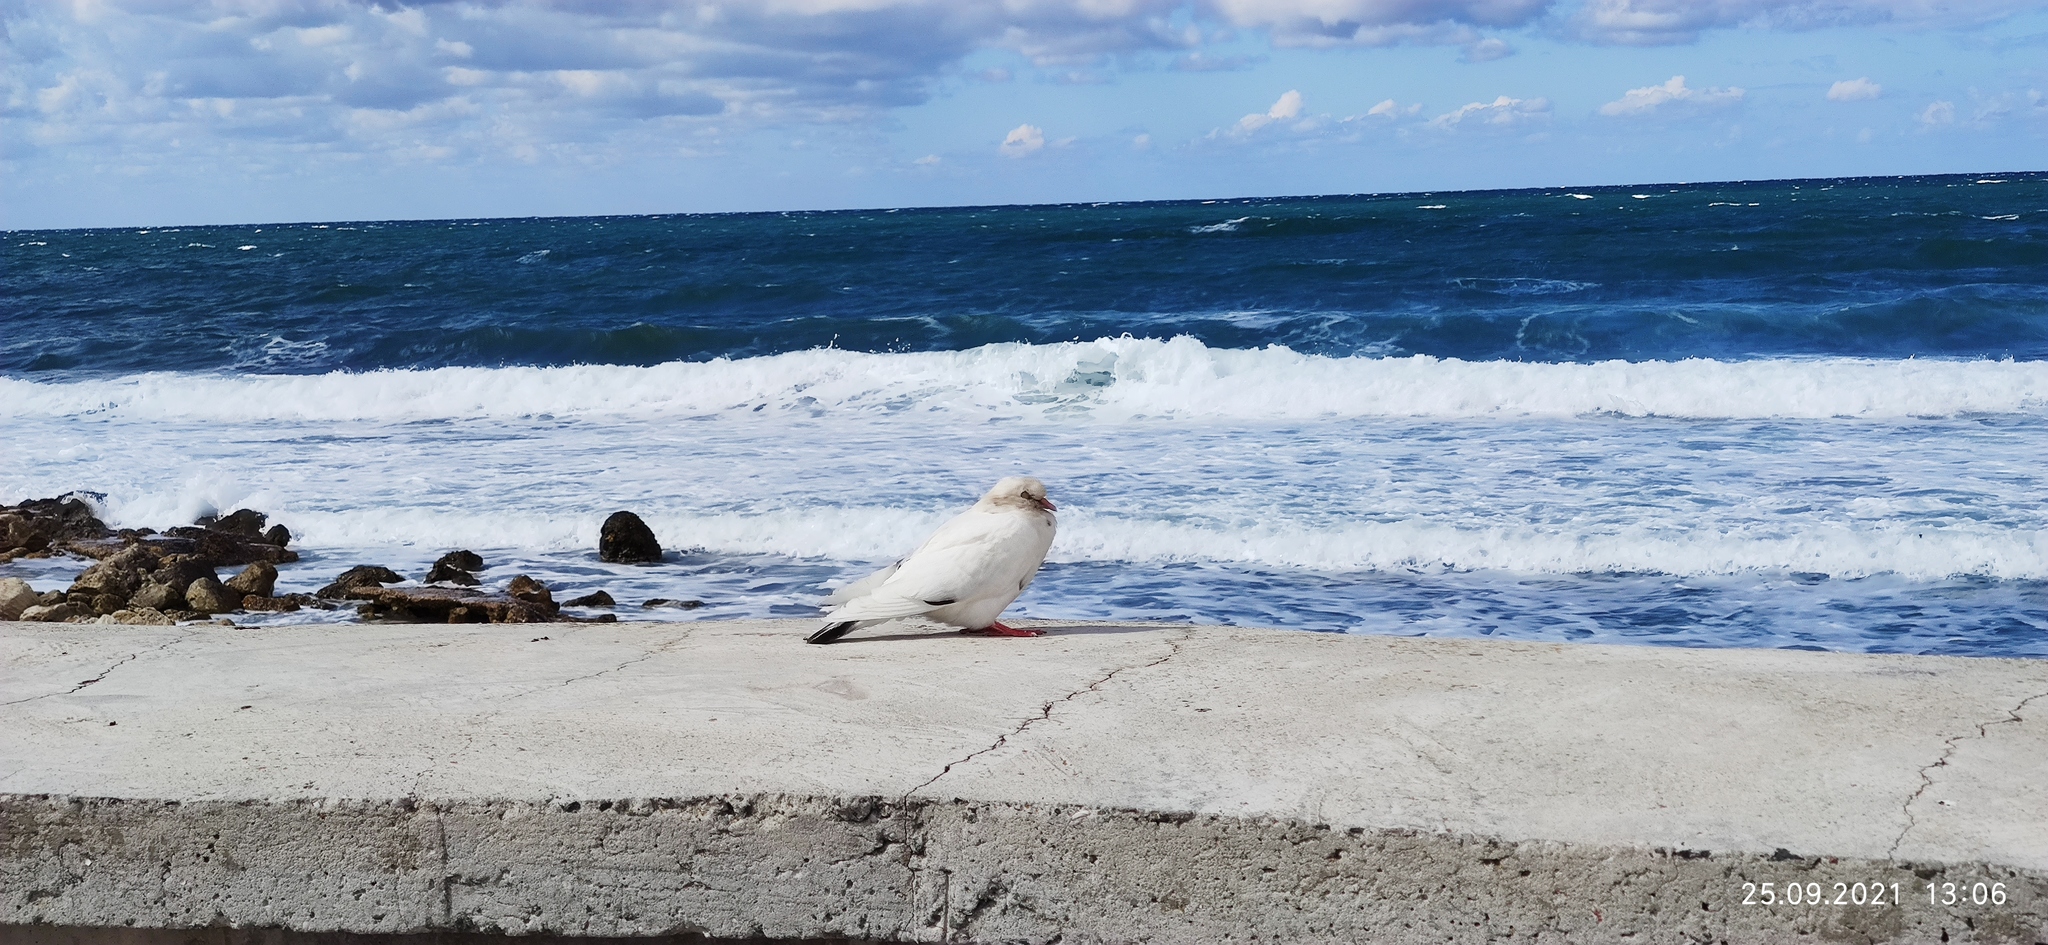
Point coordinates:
[(999, 629)]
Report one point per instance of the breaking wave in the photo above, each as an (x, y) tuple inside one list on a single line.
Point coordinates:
[(1109, 378)]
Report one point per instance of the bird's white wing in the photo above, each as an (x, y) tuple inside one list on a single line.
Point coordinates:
[(972, 556), (976, 555), (862, 587)]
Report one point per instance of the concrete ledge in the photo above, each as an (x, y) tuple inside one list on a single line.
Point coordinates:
[(1111, 783)]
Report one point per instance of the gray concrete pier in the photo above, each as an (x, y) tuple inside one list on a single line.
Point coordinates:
[(1100, 784)]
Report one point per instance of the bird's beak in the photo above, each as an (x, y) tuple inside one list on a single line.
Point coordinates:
[(1047, 505)]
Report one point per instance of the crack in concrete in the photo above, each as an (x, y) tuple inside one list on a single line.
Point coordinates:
[(1948, 751), (1046, 712), (652, 652), (447, 894), (664, 647), (103, 673), (469, 735)]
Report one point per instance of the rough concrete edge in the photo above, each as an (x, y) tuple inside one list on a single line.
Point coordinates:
[(806, 867)]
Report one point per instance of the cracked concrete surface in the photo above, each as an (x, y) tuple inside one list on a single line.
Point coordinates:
[(31, 655), (1987, 792), (1948, 751), (1101, 783), (1045, 713)]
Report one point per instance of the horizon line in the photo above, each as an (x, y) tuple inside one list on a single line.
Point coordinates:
[(1358, 195)]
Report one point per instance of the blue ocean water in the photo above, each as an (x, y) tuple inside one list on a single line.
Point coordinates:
[(1808, 413)]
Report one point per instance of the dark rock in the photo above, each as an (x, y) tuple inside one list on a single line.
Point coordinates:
[(247, 523), (362, 575), (625, 539), (455, 567), (259, 579), (108, 603), (461, 560), (598, 599), (274, 605), (40, 524), (21, 533), (531, 591), (51, 598), (100, 549), (446, 605), (442, 574), (665, 602), (177, 571), (156, 596), (225, 549), (118, 574), (133, 557), (207, 596)]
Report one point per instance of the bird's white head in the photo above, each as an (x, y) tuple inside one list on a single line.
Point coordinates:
[(1022, 492)]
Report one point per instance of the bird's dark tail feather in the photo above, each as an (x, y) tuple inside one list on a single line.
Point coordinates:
[(832, 631)]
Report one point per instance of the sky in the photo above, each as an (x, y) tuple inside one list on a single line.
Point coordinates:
[(159, 112)]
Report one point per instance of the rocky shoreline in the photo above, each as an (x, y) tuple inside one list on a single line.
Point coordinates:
[(149, 577)]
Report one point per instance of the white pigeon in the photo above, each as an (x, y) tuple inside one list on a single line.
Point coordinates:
[(964, 575)]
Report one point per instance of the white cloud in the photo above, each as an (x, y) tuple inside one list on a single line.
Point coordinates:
[(1938, 113), (292, 83), (1648, 99), (1487, 50), (1389, 109), (1377, 22), (1663, 22), (412, 21), (537, 70), (926, 161), (1854, 90), (1141, 142), (1286, 109), (1023, 140), (1502, 111), (326, 35)]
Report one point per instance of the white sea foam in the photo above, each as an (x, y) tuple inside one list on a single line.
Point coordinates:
[(1113, 536), (1429, 545), (1089, 535), (1107, 379)]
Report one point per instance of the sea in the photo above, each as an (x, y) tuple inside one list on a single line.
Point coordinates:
[(1805, 414)]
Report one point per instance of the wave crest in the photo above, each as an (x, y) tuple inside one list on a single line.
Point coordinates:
[(1105, 379)]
